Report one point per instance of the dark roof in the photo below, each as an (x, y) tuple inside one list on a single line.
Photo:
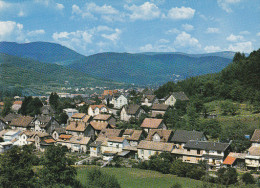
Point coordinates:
[(180, 96), (46, 109), (60, 130), (160, 107), (22, 121), (256, 136), (149, 97), (9, 117), (132, 109), (205, 145), (95, 144), (184, 136)]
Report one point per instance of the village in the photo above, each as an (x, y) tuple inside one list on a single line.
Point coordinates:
[(101, 133)]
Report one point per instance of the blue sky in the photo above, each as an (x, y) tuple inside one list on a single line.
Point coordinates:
[(89, 27)]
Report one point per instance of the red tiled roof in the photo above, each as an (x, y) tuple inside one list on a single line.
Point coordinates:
[(229, 160), (49, 141), (18, 102), (65, 136)]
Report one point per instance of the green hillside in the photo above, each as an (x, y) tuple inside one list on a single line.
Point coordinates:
[(36, 77)]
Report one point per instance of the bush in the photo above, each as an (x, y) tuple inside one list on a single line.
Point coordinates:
[(98, 179), (227, 176), (247, 178)]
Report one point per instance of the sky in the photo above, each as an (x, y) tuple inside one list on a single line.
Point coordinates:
[(89, 27)]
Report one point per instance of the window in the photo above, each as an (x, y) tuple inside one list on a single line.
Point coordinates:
[(198, 151), (219, 152), (150, 152), (188, 149), (142, 151)]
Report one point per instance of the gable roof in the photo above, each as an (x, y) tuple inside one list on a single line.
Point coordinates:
[(116, 139), (254, 150), (256, 136), (179, 96), (97, 106), (164, 134), (135, 135), (157, 146), (160, 107), (80, 140), (103, 117), (149, 97), (99, 125), (78, 126), (78, 115), (111, 132), (10, 117), (229, 160), (22, 121), (60, 130), (132, 109), (86, 119), (205, 145), (184, 136), (151, 123)]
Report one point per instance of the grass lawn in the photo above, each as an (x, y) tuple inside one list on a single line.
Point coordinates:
[(137, 178)]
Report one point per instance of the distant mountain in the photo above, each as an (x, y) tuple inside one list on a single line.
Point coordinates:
[(38, 77), (224, 54), (41, 51), (150, 68)]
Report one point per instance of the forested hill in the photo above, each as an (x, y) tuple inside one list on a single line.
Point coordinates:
[(41, 51), (239, 81), (34, 76), (149, 69)]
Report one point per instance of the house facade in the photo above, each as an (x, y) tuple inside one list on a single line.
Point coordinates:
[(94, 110), (131, 111), (119, 101)]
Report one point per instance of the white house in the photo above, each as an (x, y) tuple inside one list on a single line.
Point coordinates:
[(119, 101), (148, 100), (4, 146), (94, 110), (173, 97), (70, 111)]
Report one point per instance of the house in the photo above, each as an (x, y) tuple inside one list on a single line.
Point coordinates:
[(212, 152), (9, 117), (43, 140), (131, 111), (22, 123), (173, 97), (99, 145), (105, 118), (3, 125), (47, 110), (70, 111), (236, 160), (181, 137), (98, 126), (4, 146), (78, 117), (159, 135), (79, 144), (252, 159), (16, 105), (80, 128), (255, 140), (26, 137), (133, 136), (57, 132), (148, 100), (119, 101), (152, 123), (44, 123), (146, 149), (159, 109), (97, 109), (12, 136)]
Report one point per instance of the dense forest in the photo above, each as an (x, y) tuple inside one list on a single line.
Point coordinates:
[(238, 82)]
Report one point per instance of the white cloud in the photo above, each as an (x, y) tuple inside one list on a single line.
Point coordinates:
[(187, 27), (91, 11), (156, 48), (246, 47), (244, 33), (210, 49), (60, 6), (36, 32), (165, 41), (186, 40), (146, 11), (114, 36), (103, 28), (225, 4), (21, 14), (4, 5), (173, 30), (212, 30), (234, 38), (11, 30), (258, 34), (74, 40), (181, 13)]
